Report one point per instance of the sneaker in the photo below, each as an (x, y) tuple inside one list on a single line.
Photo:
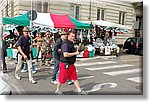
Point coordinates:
[(70, 82), (4, 71), (33, 81), (58, 92), (83, 93), (42, 64), (24, 70), (34, 71), (54, 82), (18, 78)]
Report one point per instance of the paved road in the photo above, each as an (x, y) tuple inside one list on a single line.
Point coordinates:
[(98, 75)]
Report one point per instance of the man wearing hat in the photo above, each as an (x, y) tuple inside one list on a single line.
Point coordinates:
[(57, 50), (24, 50)]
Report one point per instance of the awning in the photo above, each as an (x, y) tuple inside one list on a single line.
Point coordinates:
[(48, 20), (62, 21), (108, 24), (20, 20)]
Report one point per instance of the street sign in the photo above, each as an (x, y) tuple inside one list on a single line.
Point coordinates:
[(34, 15)]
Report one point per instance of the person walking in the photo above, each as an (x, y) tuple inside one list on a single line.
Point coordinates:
[(67, 67), (57, 50), (24, 49), (25, 68)]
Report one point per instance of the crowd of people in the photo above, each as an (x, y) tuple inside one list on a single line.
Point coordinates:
[(62, 51)]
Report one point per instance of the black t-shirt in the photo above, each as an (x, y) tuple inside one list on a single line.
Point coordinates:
[(25, 44)]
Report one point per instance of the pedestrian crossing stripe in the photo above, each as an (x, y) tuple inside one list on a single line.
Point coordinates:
[(94, 63), (86, 77), (115, 73), (135, 79), (110, 67)]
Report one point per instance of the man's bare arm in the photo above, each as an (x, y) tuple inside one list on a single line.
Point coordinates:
[(66, 54)]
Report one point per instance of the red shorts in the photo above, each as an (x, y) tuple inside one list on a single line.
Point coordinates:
[(67, 74)]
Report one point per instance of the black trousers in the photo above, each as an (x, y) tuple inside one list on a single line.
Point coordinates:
[(4, 63)]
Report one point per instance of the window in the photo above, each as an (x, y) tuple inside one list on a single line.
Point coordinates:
[(100, 14), (39, 6), (122, 18), (6, 11), (75, 11), (71, 12), (45, 7), (42, 6), (12, 8), (139, 21), (2, 13)]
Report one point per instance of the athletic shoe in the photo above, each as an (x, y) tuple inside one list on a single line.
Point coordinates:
[(83, 93), (18, 78), (54, 82), (58, 92), (70, 82), (33, 81), (24, 70), (33, 71)]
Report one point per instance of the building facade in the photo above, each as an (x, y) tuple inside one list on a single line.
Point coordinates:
[(115, 11)]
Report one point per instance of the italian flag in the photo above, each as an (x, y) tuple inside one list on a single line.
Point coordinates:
[(6, 33)]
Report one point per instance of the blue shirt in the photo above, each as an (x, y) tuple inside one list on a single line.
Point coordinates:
[(64, 47)]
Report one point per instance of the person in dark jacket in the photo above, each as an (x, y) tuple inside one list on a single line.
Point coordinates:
[(24, 49), (4, 54), (57, 50)]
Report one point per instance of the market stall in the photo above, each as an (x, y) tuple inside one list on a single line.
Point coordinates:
[(48, 20), (105, 42)]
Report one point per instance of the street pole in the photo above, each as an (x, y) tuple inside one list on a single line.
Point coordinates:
[(31, 22), (90, 11)]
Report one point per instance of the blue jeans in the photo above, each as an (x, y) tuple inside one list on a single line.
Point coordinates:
[(56, 68), (25, 67)]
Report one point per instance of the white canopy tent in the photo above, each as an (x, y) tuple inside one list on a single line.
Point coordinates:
[(108, 24), (43, 19)]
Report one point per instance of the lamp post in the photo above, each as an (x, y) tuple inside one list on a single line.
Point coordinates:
[(90, 11), (31, 21)]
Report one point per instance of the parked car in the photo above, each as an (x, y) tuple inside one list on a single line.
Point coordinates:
[(5, 88), (134, 45)]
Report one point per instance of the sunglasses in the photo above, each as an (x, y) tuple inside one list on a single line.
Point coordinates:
[(25, 31)]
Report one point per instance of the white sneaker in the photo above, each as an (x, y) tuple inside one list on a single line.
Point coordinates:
[(70, 82), (58, 92), (33, 71), (54, 82), (33, 81), (18, 78), (24, 71)]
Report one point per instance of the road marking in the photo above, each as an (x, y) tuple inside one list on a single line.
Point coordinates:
[(135, 79), (99, 86), (110, 67), (87, 77), (103, 57), (94, 63), (133, 60), (114, 73), (13, 83)]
